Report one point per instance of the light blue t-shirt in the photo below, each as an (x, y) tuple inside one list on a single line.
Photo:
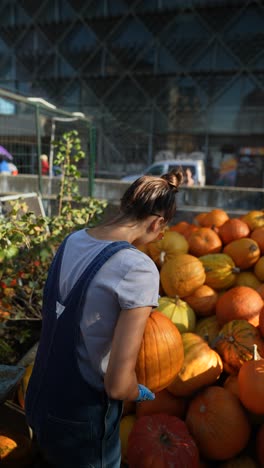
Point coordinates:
[(129, 279)]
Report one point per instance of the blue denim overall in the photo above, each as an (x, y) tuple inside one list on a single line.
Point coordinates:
[(76, 426)]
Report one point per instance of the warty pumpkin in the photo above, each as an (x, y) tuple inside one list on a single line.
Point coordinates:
[(244, 252), (220, 270), (164, 402), (233, 229), (181, 275), (203, 300), (254, 219), (160, 441), (239, 302), (201, 366), (204, 240), (218, 423), (179, 312), (235, 342), (166, 248), (251, 383), (161, 353)]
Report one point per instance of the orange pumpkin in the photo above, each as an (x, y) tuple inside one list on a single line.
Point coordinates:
[(161, 353), (166, 248), (259, 269), (184, 228), (218, 423), (220, 270), (203, 300), (231, 384), (181, 275), (233, 229), (235, 344), (204, 241), (258, 236), (15, 450), (254, 219), (239, 302), (215, 217), (198, 219), (164, 402), (201, 366), (244, 252), (160, 441), (251, 383)]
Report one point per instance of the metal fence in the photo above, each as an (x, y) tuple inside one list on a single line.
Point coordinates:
[(29, 126)]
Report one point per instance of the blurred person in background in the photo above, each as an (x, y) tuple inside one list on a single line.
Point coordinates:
[(4, 167), (44, 164)]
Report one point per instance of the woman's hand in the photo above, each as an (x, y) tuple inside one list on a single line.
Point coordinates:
[(120, 378)]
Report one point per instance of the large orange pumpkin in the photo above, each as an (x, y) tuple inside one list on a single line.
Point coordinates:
[(220, 270), (160, 441), (254, 219), (235, 344), (233, 229), (239, 302), (201, 366), (181, 275), (161, 353), (258, 236), (244, 252), (203, 300), (164, 402), (251, 384), (218, 423), (166, 248), (204, 241)]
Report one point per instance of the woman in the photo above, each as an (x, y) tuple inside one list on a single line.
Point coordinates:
[(98, 296)]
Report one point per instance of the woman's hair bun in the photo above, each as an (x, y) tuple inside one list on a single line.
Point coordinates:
[(174, 178)]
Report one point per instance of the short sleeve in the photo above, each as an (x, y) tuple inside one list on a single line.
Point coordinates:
[(140, 286)]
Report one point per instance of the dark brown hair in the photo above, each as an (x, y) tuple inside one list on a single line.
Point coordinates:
[(152, 195)]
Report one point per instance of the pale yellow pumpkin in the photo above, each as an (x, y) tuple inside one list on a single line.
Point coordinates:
[(247, 278), (179, 312), (254, 219)]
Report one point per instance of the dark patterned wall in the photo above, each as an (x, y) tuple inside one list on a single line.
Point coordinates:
[(157, 74)]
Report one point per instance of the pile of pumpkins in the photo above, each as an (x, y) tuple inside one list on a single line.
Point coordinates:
[(202, 352), (205, 363)]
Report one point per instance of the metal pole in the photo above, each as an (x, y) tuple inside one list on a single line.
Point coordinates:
[(92, 160), (38, 149)]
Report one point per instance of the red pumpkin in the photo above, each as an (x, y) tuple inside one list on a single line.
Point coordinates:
[(160, 441), (160, 356), (218, 423), (239, 303)]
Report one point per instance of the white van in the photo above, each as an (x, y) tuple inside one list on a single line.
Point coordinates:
[(196, 170)]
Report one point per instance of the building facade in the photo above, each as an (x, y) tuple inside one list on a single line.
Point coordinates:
[(184, 76)]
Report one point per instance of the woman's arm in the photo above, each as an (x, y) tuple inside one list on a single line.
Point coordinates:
[(120, 378)]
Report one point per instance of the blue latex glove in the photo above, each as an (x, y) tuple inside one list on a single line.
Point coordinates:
[(144, 393)]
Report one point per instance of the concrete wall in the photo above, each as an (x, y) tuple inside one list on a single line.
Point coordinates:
[(232, 199)]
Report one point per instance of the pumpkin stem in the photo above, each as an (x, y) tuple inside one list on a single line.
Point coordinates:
[(235, 270), (165, 439), (256, 355)]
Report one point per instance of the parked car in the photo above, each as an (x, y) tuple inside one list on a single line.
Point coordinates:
[(194, 170)]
